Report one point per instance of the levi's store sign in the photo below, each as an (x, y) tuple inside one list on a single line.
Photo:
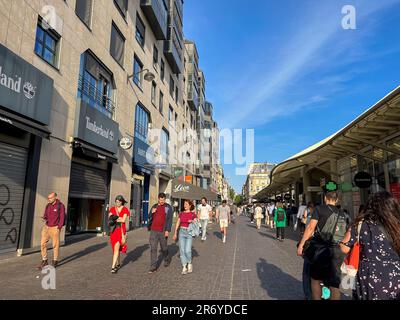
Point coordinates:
[(96, 128), (24, 89)]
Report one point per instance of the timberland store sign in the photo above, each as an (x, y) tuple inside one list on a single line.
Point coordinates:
[(94, 127), (23, 88)]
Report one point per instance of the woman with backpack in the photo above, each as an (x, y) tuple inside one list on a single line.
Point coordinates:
[(118, 217), (378, 276), (280, 221)]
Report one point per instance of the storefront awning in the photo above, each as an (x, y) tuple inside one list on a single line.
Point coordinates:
[(368, 130), (96, 153), (24, 124), (184, 190)]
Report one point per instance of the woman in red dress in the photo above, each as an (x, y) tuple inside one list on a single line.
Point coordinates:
[(118, 236)]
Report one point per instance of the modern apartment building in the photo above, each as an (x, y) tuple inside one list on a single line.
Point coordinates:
[(93, 94)]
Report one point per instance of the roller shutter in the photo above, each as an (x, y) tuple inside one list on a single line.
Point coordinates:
[(13, 164), (87, 182)]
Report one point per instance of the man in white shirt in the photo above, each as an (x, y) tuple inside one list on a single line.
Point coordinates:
[(224, 218), (271, 215), (204, 213)]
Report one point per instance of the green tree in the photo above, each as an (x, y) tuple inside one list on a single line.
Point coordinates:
[(232, 193), (238, 199)]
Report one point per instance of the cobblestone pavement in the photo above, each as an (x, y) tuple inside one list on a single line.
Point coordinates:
[(251, 265)]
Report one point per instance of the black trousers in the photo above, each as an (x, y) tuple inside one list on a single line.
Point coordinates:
[(280, 232)]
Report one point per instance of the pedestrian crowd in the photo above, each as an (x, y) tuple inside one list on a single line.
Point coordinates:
[(340, 253), (192, 222)]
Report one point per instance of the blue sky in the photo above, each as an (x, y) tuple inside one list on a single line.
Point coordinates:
[(288, 70)]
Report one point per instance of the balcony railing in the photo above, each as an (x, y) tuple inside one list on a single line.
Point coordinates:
[(95, 98), (192, 96)]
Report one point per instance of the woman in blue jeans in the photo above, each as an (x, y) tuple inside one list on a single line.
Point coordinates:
[(185, 239)]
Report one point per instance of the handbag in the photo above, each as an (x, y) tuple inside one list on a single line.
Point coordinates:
[(316, 249), (351, 263)]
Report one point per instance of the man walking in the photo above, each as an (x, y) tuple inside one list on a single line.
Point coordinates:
[(54, 217), (331, 224), (160, 225), (224, 218), (204, 213)]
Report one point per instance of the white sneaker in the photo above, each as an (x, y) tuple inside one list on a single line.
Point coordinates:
[(190, 268), (224, 240), (184, 270)]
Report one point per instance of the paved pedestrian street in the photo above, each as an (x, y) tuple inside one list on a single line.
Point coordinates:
[(250, 265)]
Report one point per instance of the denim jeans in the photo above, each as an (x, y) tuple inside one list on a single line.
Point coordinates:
[(204, 223), (185, 246)]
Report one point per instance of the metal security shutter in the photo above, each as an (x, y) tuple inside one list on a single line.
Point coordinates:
[(87, 182), (13, 163)]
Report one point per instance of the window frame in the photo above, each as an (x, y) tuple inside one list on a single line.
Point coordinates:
[(57, 44), (121, 11), (118, 32), (137, 31), (137, 75)]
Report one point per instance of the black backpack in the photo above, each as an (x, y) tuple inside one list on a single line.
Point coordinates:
[(280, 214)]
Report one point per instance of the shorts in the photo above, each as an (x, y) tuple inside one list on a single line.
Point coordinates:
[(223, 223), (329, 273)]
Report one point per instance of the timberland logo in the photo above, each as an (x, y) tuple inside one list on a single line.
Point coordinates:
[(105, 133), (29, 90), (14, 84)]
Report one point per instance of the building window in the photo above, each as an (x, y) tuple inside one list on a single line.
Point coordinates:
[(140, 31), (47, 44), (122, 6), (137, 71), (171, 86), (176, 94), (164, 149), (96, 85), (162, 70), (155, 57), (171, 114), (142, 120), (161, 103), (117, 45), (83, 10), (176, 120), (153, 92)]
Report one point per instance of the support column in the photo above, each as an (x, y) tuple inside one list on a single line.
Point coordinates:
[(306, 184), (386, 171)]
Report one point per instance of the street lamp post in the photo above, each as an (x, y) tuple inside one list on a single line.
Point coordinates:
[(149, 76)]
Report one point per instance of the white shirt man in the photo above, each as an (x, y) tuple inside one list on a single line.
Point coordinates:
[(204, 213), (224, 217)]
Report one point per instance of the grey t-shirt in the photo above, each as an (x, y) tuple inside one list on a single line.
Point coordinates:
[(224, 212)]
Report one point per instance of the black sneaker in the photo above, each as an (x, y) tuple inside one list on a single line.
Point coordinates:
[(167, 262), (114, 270)]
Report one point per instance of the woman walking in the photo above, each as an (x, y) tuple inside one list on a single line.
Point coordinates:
[(185, 238), (258, 216), (118, 215), (280, 221), (378, 276)]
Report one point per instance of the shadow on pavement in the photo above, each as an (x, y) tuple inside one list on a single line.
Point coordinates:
[(83, 253), (72, 239), (134, 255), (218, 234), (289, 288)]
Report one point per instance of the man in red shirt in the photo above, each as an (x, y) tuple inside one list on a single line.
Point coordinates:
[(54, 217), (160, 225)]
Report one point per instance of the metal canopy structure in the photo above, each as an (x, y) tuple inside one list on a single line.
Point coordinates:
[(362, 137)]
